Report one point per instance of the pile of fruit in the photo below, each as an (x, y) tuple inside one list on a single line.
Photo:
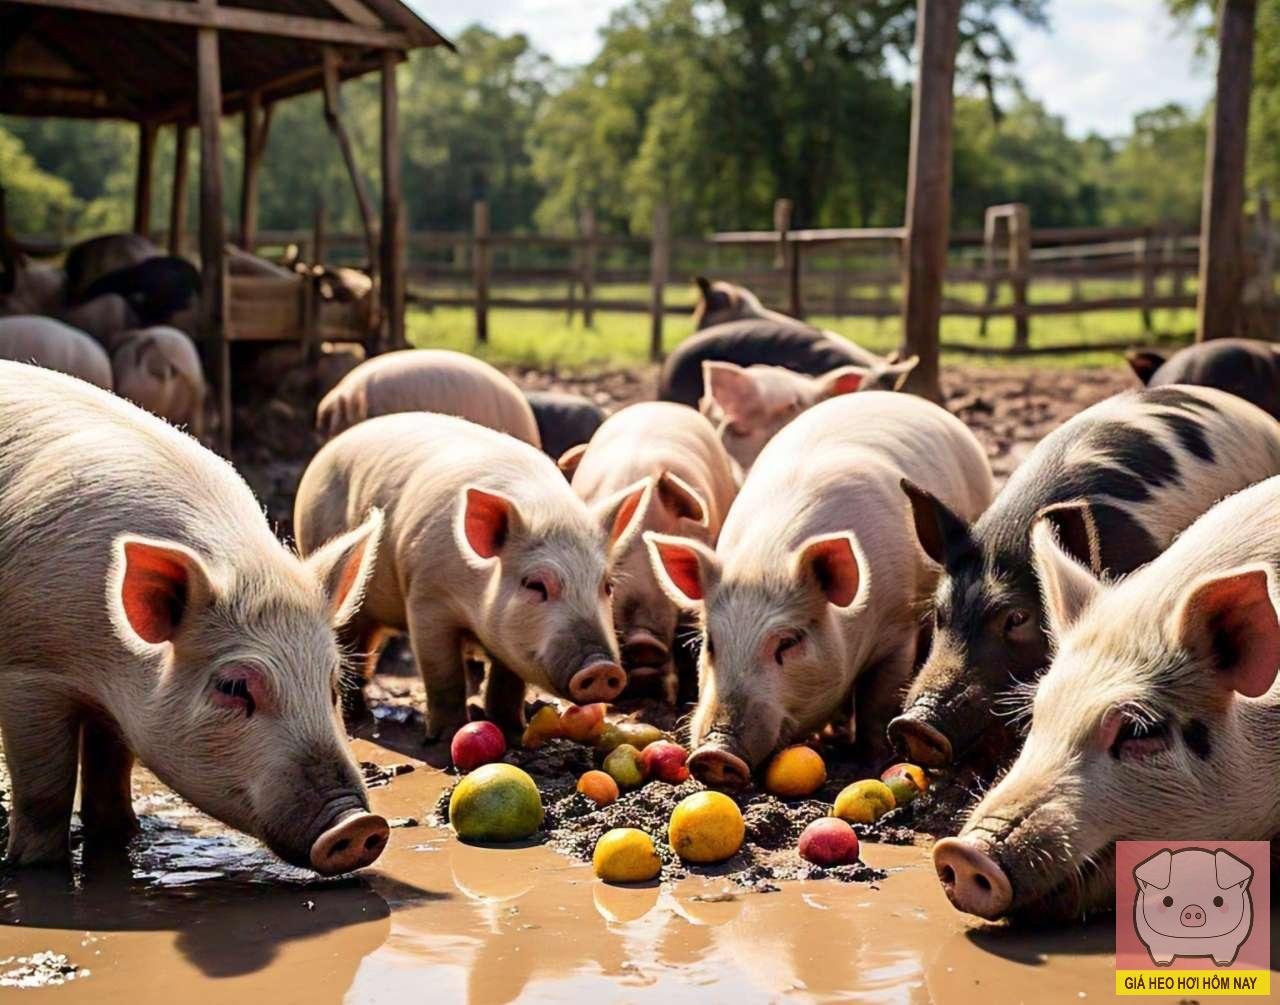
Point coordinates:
[(500, 802)]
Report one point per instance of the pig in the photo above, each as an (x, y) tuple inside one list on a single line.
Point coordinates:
[(156, 290), (428, 380), (88, 260), (158, 369), (33, 289), (810, 604), (748, 405), (1172, 913), (107, 318), (150, 612), (693, 487), (486, 543), (1157, 719), (54, 346), (1146, 463), (721, 301), (1246, 367), (564, 420)]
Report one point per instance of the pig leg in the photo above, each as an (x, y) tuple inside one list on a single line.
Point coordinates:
[(437, 650), (106, 790), (504, 701), (879, 693), (41, 747)]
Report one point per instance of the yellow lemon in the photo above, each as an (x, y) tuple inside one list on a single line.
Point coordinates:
[(795, 772), (625, 855), (706, 827), (497, 802), (864, 802)]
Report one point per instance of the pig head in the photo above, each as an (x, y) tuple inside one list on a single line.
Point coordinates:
[(1193, 902)]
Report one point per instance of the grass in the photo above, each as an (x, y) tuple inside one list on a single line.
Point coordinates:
[(549, 339)]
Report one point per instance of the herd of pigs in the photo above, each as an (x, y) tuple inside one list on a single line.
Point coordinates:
[(1100, 637)]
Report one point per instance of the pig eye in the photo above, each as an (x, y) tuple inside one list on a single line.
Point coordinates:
[(1168, 901), (233, 692), (1217, 901), (536, 586), (1015, 619), (736, 429), (607, 587), (1137, 740), (788, 641)]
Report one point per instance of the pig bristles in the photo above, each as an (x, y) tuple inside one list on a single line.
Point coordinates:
[(1017, 705)]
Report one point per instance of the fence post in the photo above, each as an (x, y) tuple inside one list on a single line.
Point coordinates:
[(318, 242), (588, 266), (1172, 254), (787, 259), (1020, 264), (1147, 278), (480, 266), (990, 227), (659, 266)]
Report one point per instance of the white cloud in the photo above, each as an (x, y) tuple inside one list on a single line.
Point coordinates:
[(1099, 63)]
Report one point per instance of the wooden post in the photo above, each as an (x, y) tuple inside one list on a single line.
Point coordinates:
[(1147, 280), (318, 241), (333, 116), (480, 266), (588, 266), (1020, 267), (929, 190), (787, 259), (1220, 312), (1172, 253), (257, 120), (659, 267), (212, 228), (142, 184), (178, 194), (990, 229), (394, 242)]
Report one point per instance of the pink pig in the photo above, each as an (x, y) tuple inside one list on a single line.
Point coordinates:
[(1193, 902)]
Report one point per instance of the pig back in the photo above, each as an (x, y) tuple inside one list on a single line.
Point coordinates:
[(55, 346), (430, 380), (1247, 368)]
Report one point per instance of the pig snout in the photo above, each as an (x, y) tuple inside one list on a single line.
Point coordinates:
[(973, 881), (599, 680), (719, 764), (919, 740), (354, 842), (1193, 916), (643, 650)]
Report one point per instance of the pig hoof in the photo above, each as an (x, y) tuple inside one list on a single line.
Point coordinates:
[(920, 742), (352, 843), (1163, 961), (601, 681)]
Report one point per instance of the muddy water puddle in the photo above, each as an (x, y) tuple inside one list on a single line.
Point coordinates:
[(201, 915)]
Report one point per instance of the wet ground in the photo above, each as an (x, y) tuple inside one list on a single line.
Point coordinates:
[(199, 914)]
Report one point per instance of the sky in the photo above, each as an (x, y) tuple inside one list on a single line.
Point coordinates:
[(1099, 62)]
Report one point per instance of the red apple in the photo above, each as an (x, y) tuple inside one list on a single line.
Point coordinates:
[(475, 744), (582, 722), (664, 761), (829, 841)]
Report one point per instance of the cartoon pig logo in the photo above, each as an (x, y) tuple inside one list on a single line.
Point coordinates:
[(1193, 902)]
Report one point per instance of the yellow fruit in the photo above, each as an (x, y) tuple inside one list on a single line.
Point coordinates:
[(625, 855), (544, 725), (912, 771), (497, 802), (864, 802), (795, 772), (599, 787), (706, 827)]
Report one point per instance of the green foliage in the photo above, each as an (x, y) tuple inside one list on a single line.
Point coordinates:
[(35, 201)]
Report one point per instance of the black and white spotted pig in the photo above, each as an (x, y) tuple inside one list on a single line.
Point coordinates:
[(1248, 368), (1119, 482)]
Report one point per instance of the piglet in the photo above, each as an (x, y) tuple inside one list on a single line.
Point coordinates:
[(1157, 719), (486, 542), (159, 369), (54, 346), (810, 603), (149, 612), (693, 487), (428, 380)]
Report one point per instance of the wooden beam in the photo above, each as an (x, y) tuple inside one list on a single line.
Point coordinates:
[(929, 190), (253, 22), (333, 116), (356, 12), (257, 120), (212, 228), (480, 266), (142, 182), (178, 194), (659, 273), (1220, 307), (393, 221)]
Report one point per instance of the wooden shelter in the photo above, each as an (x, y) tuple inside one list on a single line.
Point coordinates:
[(186, 63)]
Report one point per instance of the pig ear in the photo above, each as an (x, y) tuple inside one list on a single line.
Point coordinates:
[(620, 514), (154, 586), (1066, 586), (681, 499), (832, 563), (1230, 870), (943, 535), (342, 567), (1144, 364), (570, 459), (1230, 618), (844, 380), (1077, 532), (704, 285), (485, 522), (1155, 871), (730, 387), (686, 570)]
